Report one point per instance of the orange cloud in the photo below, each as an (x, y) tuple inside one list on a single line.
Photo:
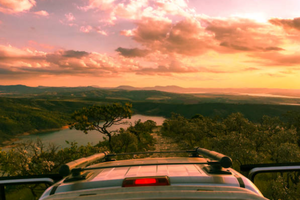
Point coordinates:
[(278, 59), (15, 6), (287, 23)]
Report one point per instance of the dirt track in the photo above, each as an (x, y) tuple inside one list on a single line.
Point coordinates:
[(163, 143)]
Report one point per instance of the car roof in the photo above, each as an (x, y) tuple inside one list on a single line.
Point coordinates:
[(105, 180)]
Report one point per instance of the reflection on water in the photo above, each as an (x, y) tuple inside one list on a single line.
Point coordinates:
[(93, 137)]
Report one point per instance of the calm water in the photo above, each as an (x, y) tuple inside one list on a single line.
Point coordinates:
[(93, 137)]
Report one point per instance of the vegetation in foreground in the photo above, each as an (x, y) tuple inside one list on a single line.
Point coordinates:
[(270, 141), (33, 158)]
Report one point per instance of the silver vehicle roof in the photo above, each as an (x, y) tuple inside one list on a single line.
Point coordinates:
[(187, 176)]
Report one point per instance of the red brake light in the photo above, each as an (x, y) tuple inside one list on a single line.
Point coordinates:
[(146, 181)]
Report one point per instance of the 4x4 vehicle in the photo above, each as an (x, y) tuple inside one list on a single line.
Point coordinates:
[(192, 177)]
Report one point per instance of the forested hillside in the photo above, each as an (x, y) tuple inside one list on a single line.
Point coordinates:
[(19, 115)]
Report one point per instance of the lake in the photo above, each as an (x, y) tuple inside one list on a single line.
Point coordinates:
[(93, 137)]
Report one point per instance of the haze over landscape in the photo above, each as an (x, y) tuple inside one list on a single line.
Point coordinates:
[(145, 43)]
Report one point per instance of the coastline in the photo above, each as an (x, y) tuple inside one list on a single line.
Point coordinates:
[(11, 143)]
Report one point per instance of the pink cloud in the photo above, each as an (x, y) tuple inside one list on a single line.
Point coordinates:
[(99, 4), (15, 6), (195, 37), (185, 37), (102, 32), (42, 13), (70, 17), (35, 44), (29, 62), (138, 9), (237, 34), (86, 29), (167, 69)]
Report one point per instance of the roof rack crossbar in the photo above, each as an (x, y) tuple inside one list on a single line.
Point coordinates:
[(222, 160), (218, 161), (66, 169)]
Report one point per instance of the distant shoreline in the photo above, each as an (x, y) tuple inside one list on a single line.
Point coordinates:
[(11, 143)]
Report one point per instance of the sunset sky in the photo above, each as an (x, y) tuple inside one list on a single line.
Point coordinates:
[(195, 43)]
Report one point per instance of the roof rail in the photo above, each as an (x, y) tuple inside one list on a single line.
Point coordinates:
[(255, 169)]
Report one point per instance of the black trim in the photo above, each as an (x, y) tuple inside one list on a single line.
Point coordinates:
[(251, 166), (54, 189), (240, 180), (2, 192)]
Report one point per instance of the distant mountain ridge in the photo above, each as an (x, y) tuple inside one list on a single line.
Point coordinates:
[(22, 89), (232, 91)]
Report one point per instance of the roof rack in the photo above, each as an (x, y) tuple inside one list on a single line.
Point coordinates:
[(216, 164)]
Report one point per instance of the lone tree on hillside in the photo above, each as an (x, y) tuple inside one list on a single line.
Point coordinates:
[(100, 118)]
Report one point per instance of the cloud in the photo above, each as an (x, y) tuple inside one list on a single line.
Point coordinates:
[(26, 62), (287, 23), (173, 67), (42, 13), (99, 4), (278, 59), (70, 17), (194, 37), (237, 35), (74, 54), (86, 29), (35, 44), (15, 6), (112, 10), (135, 52), (186, 37), (251, 69), (275, 75)]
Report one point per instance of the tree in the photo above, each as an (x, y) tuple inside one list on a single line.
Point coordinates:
[(100, 118)]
